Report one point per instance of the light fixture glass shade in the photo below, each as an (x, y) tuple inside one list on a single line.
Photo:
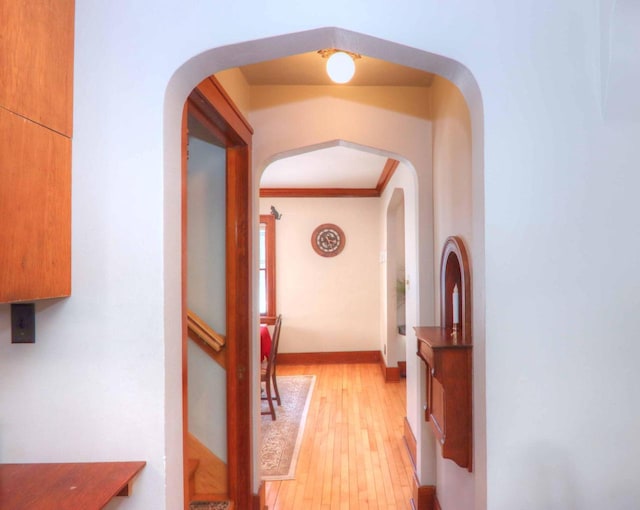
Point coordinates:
[(340, 67)]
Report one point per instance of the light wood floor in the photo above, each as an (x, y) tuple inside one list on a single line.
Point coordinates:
[(353, 455)]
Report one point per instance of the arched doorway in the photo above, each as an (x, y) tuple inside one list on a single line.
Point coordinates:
[(215, 60), (396, 280), (216, 270)]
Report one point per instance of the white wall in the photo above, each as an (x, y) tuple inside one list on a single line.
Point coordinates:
[(206, 233), (554, 198), (206, 289), (619, 47), (452, 216), (328, 304), (207, 401)]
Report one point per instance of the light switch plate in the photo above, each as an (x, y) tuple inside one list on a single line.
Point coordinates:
[(23, 323)]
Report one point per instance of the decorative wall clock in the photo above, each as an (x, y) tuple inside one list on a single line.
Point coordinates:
[(328, 240)]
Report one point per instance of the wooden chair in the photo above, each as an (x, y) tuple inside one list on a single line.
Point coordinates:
[(268, 371)]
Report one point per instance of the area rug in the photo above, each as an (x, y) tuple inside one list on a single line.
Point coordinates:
[(281, 438), (209, 505)]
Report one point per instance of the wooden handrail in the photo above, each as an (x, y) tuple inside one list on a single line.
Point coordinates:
[(204, 332)]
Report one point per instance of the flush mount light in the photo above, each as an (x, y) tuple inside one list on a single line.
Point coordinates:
[(340, 64), (340, 67)]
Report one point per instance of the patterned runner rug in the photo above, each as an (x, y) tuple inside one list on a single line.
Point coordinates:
[(281, 438), (209, 505)]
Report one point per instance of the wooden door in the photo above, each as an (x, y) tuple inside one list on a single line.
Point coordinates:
[(214, 110)]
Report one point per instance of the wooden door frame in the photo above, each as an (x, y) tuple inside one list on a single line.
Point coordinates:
[(214, 108)]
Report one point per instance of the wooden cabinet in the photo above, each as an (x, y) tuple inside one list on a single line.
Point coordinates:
[(35, 207), (36, 59), (448, 364), (447, 352), (36, 96)]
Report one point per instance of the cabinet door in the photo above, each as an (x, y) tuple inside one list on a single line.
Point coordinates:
[(36, 59), (438, 410), (35, 211)]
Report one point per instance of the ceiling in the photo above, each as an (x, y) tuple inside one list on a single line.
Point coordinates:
[(309, 69), (332, 167)]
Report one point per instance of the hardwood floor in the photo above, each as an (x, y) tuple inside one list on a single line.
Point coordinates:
[(353, 455)]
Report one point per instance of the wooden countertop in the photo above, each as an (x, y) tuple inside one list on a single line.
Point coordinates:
[(65, 486)]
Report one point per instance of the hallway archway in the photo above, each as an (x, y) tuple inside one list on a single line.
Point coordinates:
[(217, 59)]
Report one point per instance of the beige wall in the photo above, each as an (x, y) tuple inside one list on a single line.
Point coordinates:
[(290, 120), (394, 122), (452, 216), (444, 108), (236, 86), (451, 170), (327, 303)]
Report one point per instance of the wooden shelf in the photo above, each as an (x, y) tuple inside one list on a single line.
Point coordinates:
[(66, 486)]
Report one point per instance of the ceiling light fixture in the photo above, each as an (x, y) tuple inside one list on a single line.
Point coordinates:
[(340, 64)]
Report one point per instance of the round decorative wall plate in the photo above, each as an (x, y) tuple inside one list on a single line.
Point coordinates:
[(328, 240)]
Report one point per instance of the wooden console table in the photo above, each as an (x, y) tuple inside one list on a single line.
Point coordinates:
[(66, 486), (447, 352), (448, 379)]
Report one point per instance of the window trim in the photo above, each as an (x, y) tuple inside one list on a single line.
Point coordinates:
[(270, 268)]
